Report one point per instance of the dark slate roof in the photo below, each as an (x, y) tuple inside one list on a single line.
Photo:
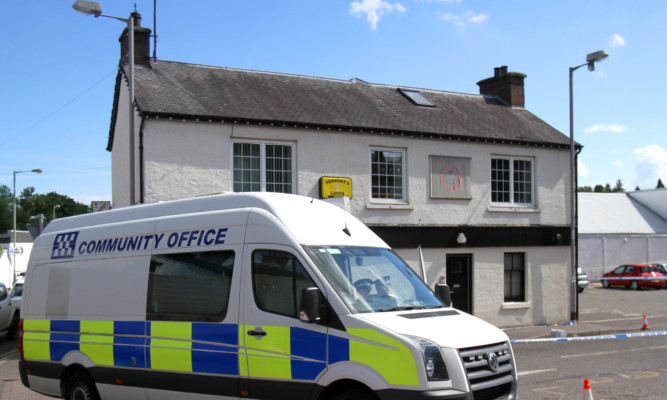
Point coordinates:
[(190, 91)]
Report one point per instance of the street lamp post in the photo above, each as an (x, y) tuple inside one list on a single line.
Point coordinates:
[(591, 59), (12, 276), (95, 9), (54, 211)]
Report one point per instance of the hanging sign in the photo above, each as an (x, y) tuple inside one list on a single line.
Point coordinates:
[(331, 186)]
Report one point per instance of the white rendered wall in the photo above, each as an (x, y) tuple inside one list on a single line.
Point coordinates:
[(183, 159), (547, 288)]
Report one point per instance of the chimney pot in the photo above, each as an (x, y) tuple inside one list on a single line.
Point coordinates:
[(137, 19)]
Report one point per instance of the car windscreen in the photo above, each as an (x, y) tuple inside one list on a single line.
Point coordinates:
[(372, 279)]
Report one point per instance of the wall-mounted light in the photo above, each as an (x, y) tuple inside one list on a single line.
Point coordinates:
[(461, 238)]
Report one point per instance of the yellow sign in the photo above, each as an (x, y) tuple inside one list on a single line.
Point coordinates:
[(331, 186)]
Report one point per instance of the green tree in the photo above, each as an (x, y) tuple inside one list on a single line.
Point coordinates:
[(660, 184), (31, 204), (618, 188), (6, 213), (585, 189)]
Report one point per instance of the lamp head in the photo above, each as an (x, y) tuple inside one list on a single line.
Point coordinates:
[(592, 58), (88, 7), (37, 171)]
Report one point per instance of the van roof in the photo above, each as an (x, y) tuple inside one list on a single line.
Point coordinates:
[(310, 220)]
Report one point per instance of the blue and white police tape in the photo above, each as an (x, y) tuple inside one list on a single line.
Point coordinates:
[(597, 337)]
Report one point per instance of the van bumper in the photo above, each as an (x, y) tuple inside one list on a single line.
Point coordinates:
[(393, 394), (510, 393), (23, 374)]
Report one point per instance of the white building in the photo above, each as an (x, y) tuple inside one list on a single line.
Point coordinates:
[(14, 263), (621, 228), (477, 182)]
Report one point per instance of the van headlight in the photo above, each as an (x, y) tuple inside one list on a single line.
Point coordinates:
[(434, 362)]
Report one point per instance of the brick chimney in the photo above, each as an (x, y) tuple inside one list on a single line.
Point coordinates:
[(506, 85), (142, 38)]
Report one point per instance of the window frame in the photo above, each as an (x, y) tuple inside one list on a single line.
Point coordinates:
[(513, 183), (404, 187), (263, 181), (172, 315), (512, 297), (295, 292)]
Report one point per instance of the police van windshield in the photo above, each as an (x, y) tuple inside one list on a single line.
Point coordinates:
[(372, 279)]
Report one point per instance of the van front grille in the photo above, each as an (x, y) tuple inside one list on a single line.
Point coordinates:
[(490, 370)]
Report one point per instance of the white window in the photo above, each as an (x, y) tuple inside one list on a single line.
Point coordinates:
[(263, 167), (512, 181), (388, 175)]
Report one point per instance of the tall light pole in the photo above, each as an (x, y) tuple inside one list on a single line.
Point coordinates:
[(12, 276), (591, 59), (95, 9), (54, 211)]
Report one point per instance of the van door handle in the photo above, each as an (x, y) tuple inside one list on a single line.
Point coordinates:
[(257, 332)]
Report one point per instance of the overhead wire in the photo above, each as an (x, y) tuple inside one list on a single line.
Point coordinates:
[(59, 108)]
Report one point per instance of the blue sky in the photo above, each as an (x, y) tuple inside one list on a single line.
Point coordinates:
[(59, 68)]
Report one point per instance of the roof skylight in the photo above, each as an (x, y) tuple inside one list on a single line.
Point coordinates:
[(417, 98)]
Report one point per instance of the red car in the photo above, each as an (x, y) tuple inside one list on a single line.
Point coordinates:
[(646, 275)]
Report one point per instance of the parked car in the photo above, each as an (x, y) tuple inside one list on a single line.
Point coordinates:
[(662, 268), (582, 280), (17, 290), (645, 275), (9, 314)]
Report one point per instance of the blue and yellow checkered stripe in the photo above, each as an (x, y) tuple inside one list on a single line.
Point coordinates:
[(174, 346), (212, 348)]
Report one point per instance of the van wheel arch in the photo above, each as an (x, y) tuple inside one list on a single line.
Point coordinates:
[(347, 389)]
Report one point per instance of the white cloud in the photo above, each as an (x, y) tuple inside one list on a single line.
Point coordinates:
[(582, 169), (616, 40), (613, 128), (461, 20), (374, 10), (617, 163), (650, 164)]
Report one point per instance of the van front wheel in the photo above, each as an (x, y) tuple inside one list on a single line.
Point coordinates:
[(81, 387), (356, 394)]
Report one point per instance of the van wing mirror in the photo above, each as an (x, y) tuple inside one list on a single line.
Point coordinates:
[(442, 291), (310, 306)]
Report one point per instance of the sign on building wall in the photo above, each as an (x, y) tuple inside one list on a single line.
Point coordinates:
[(331, 186), (450, 177)]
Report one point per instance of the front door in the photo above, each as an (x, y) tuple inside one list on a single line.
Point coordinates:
[(284, 355), (459, 281)]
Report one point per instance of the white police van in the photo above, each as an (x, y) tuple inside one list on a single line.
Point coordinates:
[(247, 295)]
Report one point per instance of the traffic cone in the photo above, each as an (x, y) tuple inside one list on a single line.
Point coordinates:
[(588, 393), (645, 326)]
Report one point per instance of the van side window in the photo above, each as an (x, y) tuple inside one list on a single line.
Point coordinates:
[(189, 286), (278, 279)]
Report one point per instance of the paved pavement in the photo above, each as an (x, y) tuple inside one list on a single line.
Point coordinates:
[(595, 320)]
